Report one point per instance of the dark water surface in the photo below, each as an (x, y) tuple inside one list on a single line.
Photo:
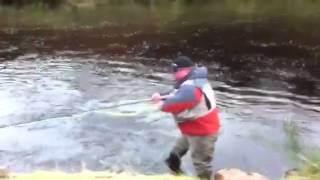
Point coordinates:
[(64, 65)]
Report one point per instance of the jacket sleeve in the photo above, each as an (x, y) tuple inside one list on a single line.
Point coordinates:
[(185, 98), (166, 93)]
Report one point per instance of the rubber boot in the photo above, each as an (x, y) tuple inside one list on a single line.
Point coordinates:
[(174, 162)]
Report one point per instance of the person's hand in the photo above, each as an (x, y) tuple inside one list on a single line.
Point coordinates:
[(156, 97)]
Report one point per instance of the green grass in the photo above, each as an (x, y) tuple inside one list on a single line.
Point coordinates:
[(306, 155), (211, 12)]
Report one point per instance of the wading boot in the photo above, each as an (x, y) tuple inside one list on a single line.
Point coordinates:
[(173, 162)]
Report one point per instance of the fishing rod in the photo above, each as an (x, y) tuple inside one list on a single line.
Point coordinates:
[(131, 102)]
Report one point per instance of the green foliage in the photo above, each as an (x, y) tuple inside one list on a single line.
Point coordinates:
[(292, 132), (311, 165), (19, 3), (307, 158), (96, 12)]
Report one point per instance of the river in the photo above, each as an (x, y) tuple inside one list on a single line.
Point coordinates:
[(60, 68)]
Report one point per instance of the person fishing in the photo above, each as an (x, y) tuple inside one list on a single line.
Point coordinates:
[(193, 107)]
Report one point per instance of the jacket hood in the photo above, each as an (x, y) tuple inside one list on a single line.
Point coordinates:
[(199, 73), (196, 73)]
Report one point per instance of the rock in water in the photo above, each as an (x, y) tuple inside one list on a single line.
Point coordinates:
[(4, 173), (292, 172), (236, 174)]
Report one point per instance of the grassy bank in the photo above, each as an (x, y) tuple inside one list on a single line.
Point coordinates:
[(310, 167), (161, 12), (307, 157)]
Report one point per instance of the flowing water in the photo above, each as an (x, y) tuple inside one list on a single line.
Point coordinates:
[(60, 68)]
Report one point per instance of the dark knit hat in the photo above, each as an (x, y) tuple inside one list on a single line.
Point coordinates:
[(181, 62)]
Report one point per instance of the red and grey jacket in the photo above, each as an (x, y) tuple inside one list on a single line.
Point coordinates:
[(194, 106)]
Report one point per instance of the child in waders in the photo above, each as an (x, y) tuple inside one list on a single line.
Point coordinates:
[(193, 107)]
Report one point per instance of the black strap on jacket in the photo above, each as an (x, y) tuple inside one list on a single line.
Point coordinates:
[(207, 101)]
